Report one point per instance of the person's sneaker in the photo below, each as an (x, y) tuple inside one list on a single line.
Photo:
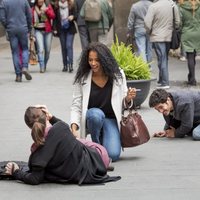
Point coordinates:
[(26, 74), (163, 87), (182, 58), (18, 78)]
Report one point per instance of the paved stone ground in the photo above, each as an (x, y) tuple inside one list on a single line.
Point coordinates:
[(162, 169)]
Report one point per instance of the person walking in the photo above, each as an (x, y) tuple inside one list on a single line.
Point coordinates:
[(137, 30), (17, 23), (190, 34), (98, 30), (64, 27), (43, 15), (82, 28), (159, 25), (99, 91)]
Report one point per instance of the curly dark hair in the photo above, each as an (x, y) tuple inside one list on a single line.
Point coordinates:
[(106, 59), (158, 96)]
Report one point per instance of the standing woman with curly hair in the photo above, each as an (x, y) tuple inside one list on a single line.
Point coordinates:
[(190, 20), (64, 27), (99, 90)]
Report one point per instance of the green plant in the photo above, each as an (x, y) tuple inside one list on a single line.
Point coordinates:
[(135, 68)]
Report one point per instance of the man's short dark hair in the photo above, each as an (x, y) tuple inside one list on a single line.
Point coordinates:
[(158, 96)]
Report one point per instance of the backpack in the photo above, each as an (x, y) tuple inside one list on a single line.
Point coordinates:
[(92, 9)]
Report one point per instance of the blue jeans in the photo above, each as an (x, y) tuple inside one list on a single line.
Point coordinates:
[(196, 133), (144, 46), (43, 42), (66, 41), (19, 40), (104, 131), (162, 51)]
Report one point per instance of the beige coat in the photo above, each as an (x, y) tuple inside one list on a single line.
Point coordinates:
[(81, 98), (159, 20)]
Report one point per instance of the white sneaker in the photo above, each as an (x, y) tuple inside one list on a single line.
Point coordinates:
[(182, 58), (163, 87)]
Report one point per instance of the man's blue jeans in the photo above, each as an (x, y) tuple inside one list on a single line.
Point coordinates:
[(162, 51), (66, 41), (144, 46), (104, 131), (19, 40), (43, 41)]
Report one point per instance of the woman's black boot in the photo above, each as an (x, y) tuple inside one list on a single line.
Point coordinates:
[(70, 67)]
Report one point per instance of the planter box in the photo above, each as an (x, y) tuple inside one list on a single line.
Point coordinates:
[(144, 85)]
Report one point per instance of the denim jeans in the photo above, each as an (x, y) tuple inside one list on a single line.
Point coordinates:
[(144, 46), (66, 41), (196, 133), (104, 131), (162, 51), (43, 42), (19, 40)]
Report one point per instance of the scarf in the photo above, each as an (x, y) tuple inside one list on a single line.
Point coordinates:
[(64, 9), (39, 17), (34, 146)]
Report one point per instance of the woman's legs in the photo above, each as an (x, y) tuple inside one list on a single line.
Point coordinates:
[(104, 131), (47, 46), (40, 48), (111, 138), (191, 67), (69, 46)]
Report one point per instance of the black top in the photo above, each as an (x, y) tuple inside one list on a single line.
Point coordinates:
[(101, 98), (64, 159)]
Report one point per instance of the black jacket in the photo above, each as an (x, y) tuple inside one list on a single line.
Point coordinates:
[(64, 159)]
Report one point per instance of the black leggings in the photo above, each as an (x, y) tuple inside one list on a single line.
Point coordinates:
[(191, 67)]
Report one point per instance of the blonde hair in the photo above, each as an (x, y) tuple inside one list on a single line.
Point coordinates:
[(35, 119), (193, 3)]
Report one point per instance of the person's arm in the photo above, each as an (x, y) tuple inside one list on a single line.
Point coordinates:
[(50, 12), (35, 177), (130, 23), (28, 16), (148, 20), (177, 16), (76, 108), (187, 118), (3, 15)]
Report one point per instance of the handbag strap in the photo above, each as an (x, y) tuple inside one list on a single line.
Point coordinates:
[(130, 108), (173, 17)]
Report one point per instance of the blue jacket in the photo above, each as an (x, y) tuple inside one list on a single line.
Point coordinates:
[(15, 15)]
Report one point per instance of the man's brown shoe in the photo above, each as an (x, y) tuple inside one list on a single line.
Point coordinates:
[(26, 74), (18, 78)]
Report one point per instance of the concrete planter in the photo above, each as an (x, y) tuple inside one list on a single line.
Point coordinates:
[(144, 85)]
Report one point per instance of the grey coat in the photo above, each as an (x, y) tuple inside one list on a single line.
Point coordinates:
[(186, 111)]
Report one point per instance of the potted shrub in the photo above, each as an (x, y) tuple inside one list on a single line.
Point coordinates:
[(136, 70)]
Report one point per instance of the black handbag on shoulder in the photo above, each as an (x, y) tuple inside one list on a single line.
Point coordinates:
[(176, 35)]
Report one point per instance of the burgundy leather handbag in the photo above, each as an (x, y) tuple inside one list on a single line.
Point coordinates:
[(133, 129)]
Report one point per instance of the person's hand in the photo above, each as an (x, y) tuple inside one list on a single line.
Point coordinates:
[(131, 94), (160, 134), (170, 133), (45, 110), (11, 167), (71, 17), (128, 35), (74, 128)]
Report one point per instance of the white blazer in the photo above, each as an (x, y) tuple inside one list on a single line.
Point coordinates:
[(80, 101)]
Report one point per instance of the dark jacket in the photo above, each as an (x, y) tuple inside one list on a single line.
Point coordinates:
[(57, 20), (16, 15), (186, 114), (80, 20), (64, 159)]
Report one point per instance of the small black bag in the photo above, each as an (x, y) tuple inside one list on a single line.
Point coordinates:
[(176, 35)]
